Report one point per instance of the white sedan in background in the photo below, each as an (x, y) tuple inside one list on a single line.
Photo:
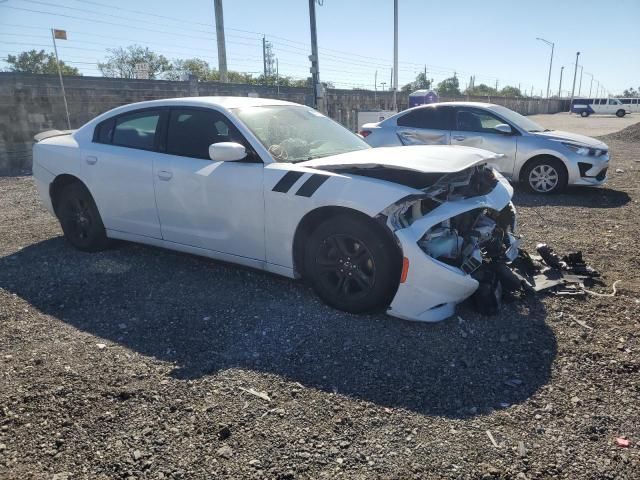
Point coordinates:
[(280, 187), (543, 160)]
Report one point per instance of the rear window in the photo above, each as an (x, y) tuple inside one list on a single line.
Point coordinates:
[(426, 117), (136, 130), (104, 131)]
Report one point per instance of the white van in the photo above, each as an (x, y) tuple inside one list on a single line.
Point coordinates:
[(631, 105), (586, 106)]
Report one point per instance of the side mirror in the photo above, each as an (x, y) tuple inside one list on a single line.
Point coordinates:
[(503, 128), (227, 152)]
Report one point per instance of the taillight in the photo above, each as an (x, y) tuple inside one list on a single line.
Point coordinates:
[(365, 133)]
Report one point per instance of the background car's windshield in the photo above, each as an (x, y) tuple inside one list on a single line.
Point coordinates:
[(294, 133), (517, 119)]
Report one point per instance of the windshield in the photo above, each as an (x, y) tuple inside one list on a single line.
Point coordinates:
[(517, 119), (294, 133)]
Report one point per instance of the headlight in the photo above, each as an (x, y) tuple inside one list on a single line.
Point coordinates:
[(579, 149)]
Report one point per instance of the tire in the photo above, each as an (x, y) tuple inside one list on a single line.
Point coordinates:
[(80, 219), (545, 175), (584, 113), (352, 264), (620, 113)]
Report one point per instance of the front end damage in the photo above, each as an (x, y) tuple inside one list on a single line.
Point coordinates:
[(453, 235)]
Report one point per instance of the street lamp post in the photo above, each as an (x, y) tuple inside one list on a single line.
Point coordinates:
[(580, 87), (575, 73), (560, 85), (550, 61), (591, 84)]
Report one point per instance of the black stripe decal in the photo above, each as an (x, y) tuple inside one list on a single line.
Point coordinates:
[(309, 187), (287, 181)]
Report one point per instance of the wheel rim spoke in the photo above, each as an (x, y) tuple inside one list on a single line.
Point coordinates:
[(345, 266)]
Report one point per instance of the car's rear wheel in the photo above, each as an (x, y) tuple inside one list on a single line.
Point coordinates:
[(545, 175), (620, 113), (584, 113), (80, 219), (352, 264)]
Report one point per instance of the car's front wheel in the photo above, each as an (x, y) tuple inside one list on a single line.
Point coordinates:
[(545, 175), (80, 219), (352, 264), (620, 113), (584, 113)]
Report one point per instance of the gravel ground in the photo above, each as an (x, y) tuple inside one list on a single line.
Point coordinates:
[(143, 363), (593, 125)]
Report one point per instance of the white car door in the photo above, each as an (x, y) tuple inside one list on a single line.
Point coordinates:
[(218, 206), (474, 127), (117, 166)]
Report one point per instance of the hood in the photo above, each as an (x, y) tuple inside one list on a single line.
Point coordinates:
[(561, 136), (417, 158)]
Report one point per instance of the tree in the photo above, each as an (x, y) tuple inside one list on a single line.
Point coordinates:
[(481, 90), (449, 87), (420, 83), (122, 62), (191, 66), (631, 92), (38, 62), (509, 91)]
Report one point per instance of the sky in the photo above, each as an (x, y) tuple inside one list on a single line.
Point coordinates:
[(495, 41)]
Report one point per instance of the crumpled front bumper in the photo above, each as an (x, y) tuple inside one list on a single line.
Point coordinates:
[(432, 288)]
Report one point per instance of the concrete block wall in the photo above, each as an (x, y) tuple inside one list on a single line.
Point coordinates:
[(33, 103)]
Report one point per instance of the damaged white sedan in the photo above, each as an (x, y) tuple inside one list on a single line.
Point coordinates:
[(280, 187)]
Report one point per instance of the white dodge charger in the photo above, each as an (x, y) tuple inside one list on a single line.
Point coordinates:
[(280, 187)]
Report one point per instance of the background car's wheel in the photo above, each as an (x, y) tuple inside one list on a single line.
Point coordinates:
[(80, 219), (620, 113), (545, 175), (352, 264), (584, 113)]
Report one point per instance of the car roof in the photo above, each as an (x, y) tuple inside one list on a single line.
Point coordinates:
[(224, 102), (460, 104)]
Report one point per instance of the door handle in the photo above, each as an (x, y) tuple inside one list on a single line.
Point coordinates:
[(459, 137), (165, 175), (91, 159)]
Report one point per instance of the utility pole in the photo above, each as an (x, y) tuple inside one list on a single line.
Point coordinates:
[(496, 85), (277, 77), (383, 84), (375, 86), (591, 84), (550, 62), (395, 54), (264, 56), (575, 73), (62, 35), (560, 85), (318, 95), (222, 49)]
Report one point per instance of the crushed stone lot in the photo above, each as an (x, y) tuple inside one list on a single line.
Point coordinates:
[(139, 362)]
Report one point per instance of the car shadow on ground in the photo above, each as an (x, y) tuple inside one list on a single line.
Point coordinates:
[(206, 316), (588, 197)]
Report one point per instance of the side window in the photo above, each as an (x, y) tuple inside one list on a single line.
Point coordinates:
[(613, 101), (626, 101), (191, 131), (471, 120), (136, 130), (426, 117), (104, 131)]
